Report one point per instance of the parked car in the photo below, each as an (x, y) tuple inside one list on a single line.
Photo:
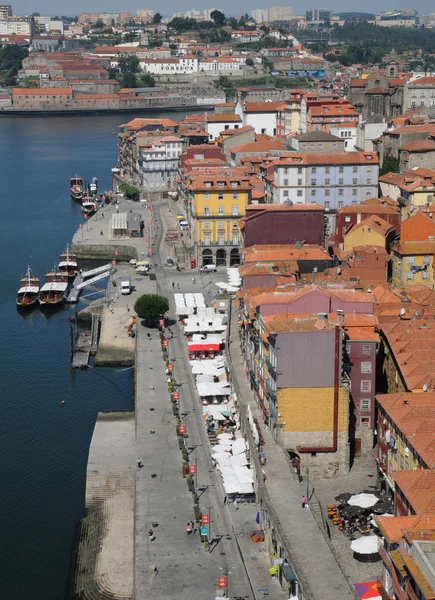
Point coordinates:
[(208, 268)]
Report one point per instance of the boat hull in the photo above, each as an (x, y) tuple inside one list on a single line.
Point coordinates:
[(45, 303), (27, 303)]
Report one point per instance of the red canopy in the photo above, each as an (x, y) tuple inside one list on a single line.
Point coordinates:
[(198, 347)]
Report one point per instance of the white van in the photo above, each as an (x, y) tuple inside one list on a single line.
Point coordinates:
[(208, 268), (125, 285)]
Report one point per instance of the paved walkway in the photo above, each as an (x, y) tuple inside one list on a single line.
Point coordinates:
[(311, 556)]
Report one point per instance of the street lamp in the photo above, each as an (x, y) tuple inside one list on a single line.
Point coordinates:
[(307, 471)]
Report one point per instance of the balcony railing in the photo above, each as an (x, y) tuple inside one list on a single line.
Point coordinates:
[(235, 244), (270, 367), (217, 216), (270, 390)]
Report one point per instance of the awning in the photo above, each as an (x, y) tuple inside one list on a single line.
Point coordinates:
[(288, 573), (203, 347)]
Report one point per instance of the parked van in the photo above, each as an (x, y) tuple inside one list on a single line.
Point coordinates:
[(208, 268), (125, 285)]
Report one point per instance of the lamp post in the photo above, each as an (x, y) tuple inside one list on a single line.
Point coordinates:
[(307, 471)]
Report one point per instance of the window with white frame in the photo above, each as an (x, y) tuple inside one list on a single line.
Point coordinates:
[(313, 192), (207, 238), (326, 205), (341, 169), (327, 192), (314, 182), (285, 181), (221, 225), (354, 169), (340, 181), (411, 260), (220, 209), (354, 192), (206, 195), (313, 170), (235, 238), (286, 193), (299, 193), (220, 196), (235, 209), (221, 237), (327, 170), (366, 349), (235, 195), (299, 181), (206, 225), (299, 170), (341, 192), (355, 181), (366, 367), (366, 385), (365, 403), (340, 204), (207, 211)]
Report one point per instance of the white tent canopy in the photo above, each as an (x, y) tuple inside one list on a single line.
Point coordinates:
[(365, 545), (221, 388), (211, 366), (363, 500)]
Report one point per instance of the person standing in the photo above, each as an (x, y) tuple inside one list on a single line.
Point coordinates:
[(303, 501), (139, 463), (188, 529), (192, 525)]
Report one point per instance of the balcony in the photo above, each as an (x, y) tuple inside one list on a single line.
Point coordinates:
[(271, 391), (270, 367), (202, 243), (213, 215)]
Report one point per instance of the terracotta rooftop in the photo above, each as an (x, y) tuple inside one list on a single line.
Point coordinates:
[(343, 158), (259, 147), (284, 252), (419, 146), (224, 118), (418, 488), (42, 91), (373, 222), (263, 107)]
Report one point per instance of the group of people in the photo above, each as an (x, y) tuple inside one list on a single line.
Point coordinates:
[(190, 528)]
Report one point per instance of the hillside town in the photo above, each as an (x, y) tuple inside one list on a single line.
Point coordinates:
[(315, 182)]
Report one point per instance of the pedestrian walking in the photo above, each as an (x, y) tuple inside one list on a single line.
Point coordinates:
[(188, 529), (139, 463), (102, 232), (173, 285), (192, 525), (225, 500), (304, 501)]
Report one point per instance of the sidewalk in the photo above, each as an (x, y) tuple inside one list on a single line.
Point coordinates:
[(318, 572)]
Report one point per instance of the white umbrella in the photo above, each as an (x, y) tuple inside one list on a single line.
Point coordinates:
[(363, 500), (365, 545)]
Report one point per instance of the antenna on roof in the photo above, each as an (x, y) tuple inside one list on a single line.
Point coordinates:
[(402, 311)]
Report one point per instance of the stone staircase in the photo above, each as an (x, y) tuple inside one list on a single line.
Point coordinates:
[(96, 545)]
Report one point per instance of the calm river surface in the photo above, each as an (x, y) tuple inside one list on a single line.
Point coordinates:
[(44, 444)]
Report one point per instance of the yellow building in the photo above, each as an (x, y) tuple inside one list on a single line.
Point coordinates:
[(372, 231), (216, 203), (413, 264)]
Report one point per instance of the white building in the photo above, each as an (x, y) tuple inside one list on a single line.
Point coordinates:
[(220, 63), (167, 66), (48, 24), (159, 162), (215, 124), (5, 11), (260, 115), (332, 180), (246, 36), (260, 15), (17, 25), (347, 132), (280, 13)]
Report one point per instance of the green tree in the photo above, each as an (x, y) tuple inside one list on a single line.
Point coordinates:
[(99, 24), (390, 164), (157, 18), (249, 62), (218, 18), (151, 307), (10, 62), (129, 80), (146, 80), (231, 22), (129, 191), (128, 63)]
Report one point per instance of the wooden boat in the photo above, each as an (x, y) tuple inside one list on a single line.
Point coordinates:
[(28, 293), (89, 207), (77, 189), (54, 289), (68, 264)]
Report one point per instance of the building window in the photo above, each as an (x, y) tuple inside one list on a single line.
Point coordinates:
[(426, 260), (220, 209), (221, 225), (340, 204), (299, 170), (235, 195), (327, 170), (327, 192), (365, 421), (285, 181), (341, 169), (221, 238), (207, 184), (340, 181), (235, 238), (366, 385), (299, 193), (235, 209), (327, 182), (366, 367), (220, 196), (424, 275), (366, 349), (299, 181), (207, 238), (369, 182), (326, 205), (285, 193), (206, 195), (355, 181), (313, 192), (314, 182), (354, 192), (354, 169), (207, 211), (365, 404), (206, 225), (411, 260), (341, 192), (313, 170)]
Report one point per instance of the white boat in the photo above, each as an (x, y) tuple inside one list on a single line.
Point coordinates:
[(53, 292), (93, 186), (89, 207), (27, 295), (68, 264)]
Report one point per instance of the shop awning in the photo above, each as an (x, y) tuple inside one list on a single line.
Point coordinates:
[(203, 347), (288, 573)]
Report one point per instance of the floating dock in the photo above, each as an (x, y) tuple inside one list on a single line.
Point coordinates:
[(87, 278), (86, 345), (74, 293)]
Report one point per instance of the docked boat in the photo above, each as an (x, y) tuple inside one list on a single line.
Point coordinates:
[(54, 289), (93, 187), (28, 293), (77, 189), (89, 207), (68, 264)]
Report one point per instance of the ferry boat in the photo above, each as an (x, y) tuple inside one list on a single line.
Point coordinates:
[(28, 293), (93, 187), (54, 289), (68, 264), (77, 189)]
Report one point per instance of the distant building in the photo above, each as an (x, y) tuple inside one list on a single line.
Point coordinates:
[(5, 11), (280, 13), (318, 16), (145, 13), (260, 15), (407, 17), (17, 25), (48, 24)]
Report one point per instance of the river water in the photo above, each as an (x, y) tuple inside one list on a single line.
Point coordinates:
[(43, 443)]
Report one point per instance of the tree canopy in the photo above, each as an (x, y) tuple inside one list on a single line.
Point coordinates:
[(151, 306), (218, 18), (390, 164), (128, 63), (129, 80), (10, 62), (157, 18)]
